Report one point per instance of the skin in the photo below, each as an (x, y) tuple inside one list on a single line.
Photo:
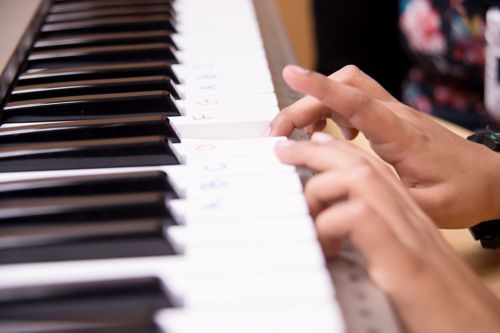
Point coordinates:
[(455, 181), (356, 196)]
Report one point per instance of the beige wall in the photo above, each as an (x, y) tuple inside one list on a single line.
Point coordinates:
[(297, 16)]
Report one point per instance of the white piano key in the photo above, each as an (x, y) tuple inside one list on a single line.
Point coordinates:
[(200, 294), (248, 185), (223, 124), (262, 206), (220, 71), (228, 232), (240, 147), (241, 165), (227, 101), (197, 167), (294, 318), (201, 42), (240, 86), (257, 57), (201, 263)]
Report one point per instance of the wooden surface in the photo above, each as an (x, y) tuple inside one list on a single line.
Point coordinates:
[(486, 263), (297, 16)]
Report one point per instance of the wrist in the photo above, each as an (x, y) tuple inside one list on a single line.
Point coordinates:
[(491, 207)]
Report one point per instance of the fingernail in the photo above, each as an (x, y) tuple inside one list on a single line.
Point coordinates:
[(298, 70), (285, 144), (267, 131), (321, 137)]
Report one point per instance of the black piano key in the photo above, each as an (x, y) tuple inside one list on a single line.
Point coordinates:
[(94, 87), (100, 184), (101, 54), (118, 301), (90, 107), (32, 327), (118, 38), (47, 234), (163, 8), (94, 72), (85, 241), (36, 212), (91, 5), (94, 129), (110, 24), (109, 153)]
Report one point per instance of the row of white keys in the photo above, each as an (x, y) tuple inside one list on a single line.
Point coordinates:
[(196, 25), (326, 315), (260, 258)]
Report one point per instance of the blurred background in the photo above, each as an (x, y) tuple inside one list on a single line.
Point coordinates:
[(328, 35), (298, 18)]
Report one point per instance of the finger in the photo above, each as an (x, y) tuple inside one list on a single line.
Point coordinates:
[(366, 114), (355, 77), (352, 153), (302, 113), (322, 153), (309, 154), (387, 256), (354, 158), (324, 189)]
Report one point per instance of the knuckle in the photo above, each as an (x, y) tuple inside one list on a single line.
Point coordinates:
[(313, 186), (361, 211), (358, 101), (364, 172), (351, 73)]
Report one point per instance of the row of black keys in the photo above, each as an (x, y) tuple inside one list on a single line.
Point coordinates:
[(92, 59), (115, 306), (113, 59), (86, 217)]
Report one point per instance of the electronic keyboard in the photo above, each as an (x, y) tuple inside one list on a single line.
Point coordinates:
[(138, 189)]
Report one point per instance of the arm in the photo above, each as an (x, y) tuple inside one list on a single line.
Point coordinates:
[(455, 181), (357, 197)]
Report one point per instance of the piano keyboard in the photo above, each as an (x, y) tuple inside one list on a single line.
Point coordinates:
[(138, 191)]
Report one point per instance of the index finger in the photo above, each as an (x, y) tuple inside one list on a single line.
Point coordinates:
[(371, 117)]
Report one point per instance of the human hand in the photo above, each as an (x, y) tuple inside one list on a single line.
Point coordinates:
[(455, 181), (356, 196)]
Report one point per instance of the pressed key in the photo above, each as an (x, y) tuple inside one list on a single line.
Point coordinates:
[(99, 86), (90, 5), (94, 72), (118, 38), (165, 8), (90, 106), (106, 302), (123, 152), (110, 24), (100, 184), (101, 54), (93, 129)]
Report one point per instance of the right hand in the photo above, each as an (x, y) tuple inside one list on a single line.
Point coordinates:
[(455, 181), (356, 196)]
